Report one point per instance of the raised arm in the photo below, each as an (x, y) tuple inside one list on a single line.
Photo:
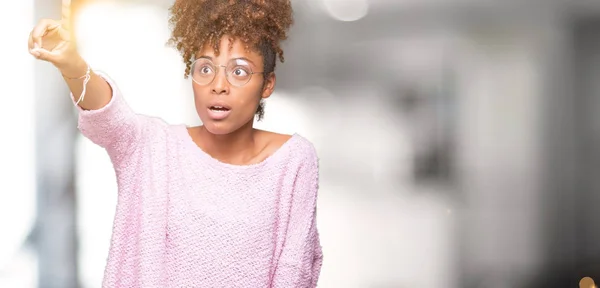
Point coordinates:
[(104, 117), (51, 41)]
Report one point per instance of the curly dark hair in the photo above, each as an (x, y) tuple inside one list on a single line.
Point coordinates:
[(260, 24)]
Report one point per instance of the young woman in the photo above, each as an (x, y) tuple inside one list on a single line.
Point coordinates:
[(219, 205)]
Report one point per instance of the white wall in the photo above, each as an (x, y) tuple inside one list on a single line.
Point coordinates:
[(499, 150), (17, 151)]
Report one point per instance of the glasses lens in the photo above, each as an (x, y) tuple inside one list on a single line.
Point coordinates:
[(203, 71), (238, 72)]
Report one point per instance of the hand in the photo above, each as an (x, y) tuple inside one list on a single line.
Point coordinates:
[(50, 41)]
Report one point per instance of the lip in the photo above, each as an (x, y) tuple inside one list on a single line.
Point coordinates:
[(218, 115), (218, 103)]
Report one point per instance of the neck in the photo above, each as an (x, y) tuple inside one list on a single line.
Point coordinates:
[(235, 148)]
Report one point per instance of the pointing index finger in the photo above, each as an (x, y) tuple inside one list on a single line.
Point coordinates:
[(66, 14)]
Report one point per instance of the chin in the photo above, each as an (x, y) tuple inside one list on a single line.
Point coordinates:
[(224, 126), (218, 128)]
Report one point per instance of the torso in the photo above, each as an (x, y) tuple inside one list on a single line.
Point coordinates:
[(234, 216), (204, 223), (266, 142)]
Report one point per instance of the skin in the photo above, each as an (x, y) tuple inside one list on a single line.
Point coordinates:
[(233, 140), (50, 40)]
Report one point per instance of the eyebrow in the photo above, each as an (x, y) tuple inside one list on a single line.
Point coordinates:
[(236, 58)]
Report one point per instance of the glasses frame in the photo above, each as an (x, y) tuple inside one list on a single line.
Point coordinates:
[(224, 71)]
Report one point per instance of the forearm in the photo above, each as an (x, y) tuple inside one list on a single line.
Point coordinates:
[(104, 117), (98, 92), (112, 125)]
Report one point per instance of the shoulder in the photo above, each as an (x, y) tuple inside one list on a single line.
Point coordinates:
[(157, 132), (305, 148), (271, 141), (154, 126), (299, 147), (304, 152)]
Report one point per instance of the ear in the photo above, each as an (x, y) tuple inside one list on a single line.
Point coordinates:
[(269, 85)]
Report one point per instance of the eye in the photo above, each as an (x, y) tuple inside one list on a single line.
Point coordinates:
[(205, 69), (241, 71)]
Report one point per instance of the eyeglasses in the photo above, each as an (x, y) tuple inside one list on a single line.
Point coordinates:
[(238, 72)]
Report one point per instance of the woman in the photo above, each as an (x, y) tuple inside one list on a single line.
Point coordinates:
[(219, 205)]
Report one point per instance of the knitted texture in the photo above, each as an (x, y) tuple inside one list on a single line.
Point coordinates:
[(185, 219)]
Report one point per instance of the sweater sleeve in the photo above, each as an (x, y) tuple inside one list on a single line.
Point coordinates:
[(301, 259), (114, 127)]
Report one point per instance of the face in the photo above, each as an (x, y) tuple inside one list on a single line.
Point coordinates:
[(223, 105)]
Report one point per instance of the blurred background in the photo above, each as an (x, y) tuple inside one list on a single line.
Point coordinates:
[(459, 140)]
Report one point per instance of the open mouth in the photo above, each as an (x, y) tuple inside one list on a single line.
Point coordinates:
[(218, 108), (218, 112)]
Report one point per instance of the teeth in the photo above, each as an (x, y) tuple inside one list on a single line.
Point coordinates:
[(218, 108)]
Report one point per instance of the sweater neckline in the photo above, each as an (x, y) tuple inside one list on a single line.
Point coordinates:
[(187, 138)]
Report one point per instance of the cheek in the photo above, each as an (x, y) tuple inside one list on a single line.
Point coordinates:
[(249, 102), (245, 100), (199, 99), (200, 93)]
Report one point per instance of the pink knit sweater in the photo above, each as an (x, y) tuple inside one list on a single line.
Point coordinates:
[(185, 219)]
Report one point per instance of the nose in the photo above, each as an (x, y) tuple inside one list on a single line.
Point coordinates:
[(220, 85)]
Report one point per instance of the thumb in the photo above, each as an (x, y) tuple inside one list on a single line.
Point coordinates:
[(43, 54), (55, 56)]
